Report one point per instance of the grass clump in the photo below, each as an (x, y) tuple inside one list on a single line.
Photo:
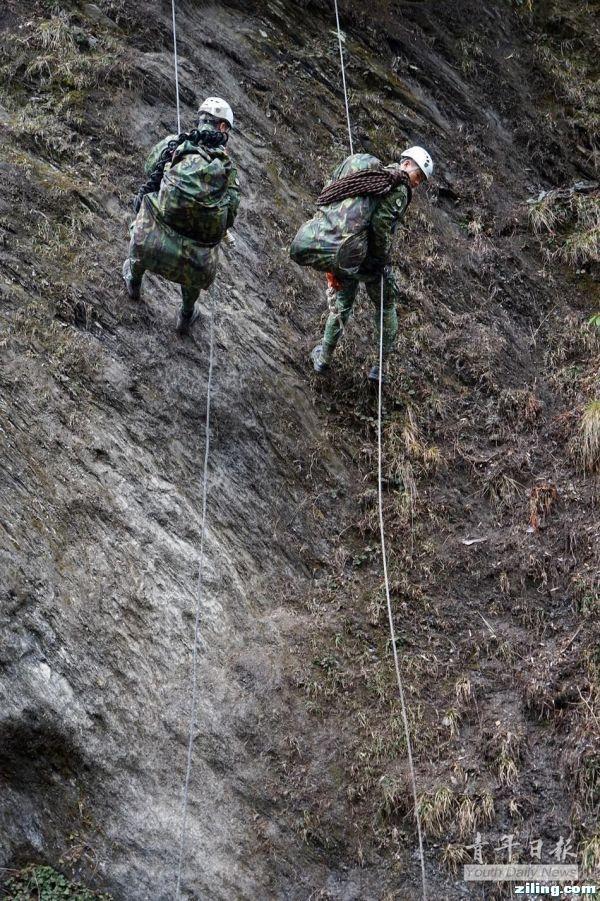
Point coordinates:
[(590, 854), (571, 223), (43, 883), (590, 436), (453, 856), (55, 53)]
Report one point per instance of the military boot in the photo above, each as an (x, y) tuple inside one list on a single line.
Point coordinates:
[(132, 287), (185, 321), (373, 375), (321, 360)]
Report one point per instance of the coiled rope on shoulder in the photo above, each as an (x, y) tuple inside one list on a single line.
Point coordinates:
[(372, 182), (382, 530)]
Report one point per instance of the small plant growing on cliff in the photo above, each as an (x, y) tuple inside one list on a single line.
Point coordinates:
[(594, 321), (571, 222), (39, 883)]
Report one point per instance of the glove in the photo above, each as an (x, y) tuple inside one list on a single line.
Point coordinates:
[(137, 201), (229, 239)]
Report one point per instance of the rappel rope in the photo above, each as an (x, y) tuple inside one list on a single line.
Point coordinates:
[(176, 63), (340, 42), (389, 602), (381, 524), (199, 584), (194, 701)]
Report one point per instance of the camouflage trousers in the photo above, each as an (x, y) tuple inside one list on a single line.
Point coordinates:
[(155, 247), (344, 302)]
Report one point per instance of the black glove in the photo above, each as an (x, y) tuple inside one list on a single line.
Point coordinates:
[(150, 186), (137, 201)]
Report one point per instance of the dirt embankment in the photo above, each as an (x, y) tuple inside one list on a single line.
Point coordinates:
[(299, 787)]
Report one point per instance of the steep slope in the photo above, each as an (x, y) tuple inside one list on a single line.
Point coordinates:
[(299, 784)]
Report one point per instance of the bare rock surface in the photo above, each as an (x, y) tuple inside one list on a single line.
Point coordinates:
[(102, 419)]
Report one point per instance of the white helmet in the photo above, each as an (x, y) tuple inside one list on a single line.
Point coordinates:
[(218, 108), (419, 156)]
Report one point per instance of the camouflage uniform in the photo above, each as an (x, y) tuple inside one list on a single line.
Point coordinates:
[(384, 215), (156, 247)]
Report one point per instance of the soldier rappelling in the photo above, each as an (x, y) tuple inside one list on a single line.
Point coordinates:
[(350, 238), (184, 209)]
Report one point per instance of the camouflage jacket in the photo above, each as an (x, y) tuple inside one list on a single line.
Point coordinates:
[(385, 214), (351, 238), (158, 248)]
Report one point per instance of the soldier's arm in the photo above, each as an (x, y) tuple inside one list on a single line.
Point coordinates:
[(233, 196), (153, 169), (388, 213), (155, 154), (335, 175)]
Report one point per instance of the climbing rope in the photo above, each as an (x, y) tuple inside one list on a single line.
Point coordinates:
[(339, 34), (176, 63), (367, 182), (199, 583), (194, 701), (381, 524), (411, 767)]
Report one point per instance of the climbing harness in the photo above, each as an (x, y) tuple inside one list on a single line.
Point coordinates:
[(199, 587), (382, 530)]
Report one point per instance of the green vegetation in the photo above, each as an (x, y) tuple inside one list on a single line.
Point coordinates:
[(40, 883)]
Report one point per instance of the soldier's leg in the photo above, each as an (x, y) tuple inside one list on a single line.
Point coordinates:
[(187, 312), (341, 302), (390, 315), (133, 267), (189, 296), (390, 299)]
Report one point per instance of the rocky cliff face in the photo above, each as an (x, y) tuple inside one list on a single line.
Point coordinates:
[(299, 776)]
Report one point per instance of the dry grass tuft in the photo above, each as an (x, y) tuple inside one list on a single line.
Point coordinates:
[(435, 810), (467, 817), (589, 431), (453, 856), (504, 748), (571, 223), (463, 689), (542, 499), (544, 214), (589, 854), (488, 809)]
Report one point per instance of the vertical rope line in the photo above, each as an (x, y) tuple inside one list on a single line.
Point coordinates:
[(388, 598), (381, 523), (194, 701), (176, 62), (339, 34)]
